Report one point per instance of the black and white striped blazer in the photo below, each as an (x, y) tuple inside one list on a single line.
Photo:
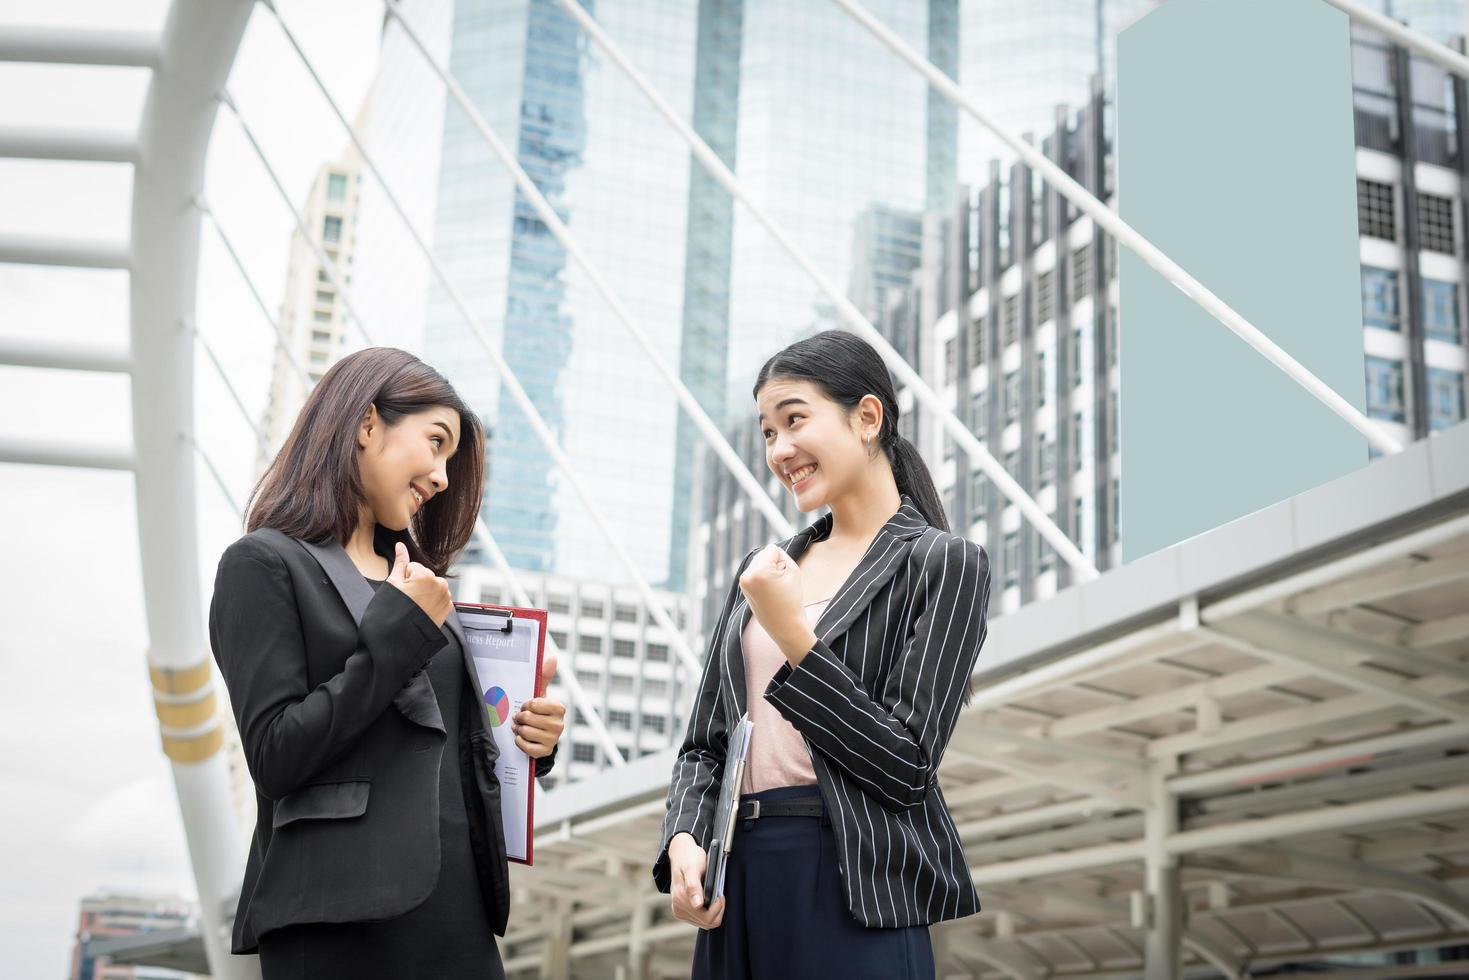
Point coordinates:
[(876, 700)]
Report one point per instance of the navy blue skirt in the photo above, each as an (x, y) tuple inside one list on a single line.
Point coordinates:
[(785, 913)]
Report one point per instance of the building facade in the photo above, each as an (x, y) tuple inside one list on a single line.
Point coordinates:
[(1026, 348)]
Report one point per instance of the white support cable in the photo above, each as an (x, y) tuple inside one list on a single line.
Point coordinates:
[(1446, 56), (858, 323), (280, 335), (532, 415), (1127, 235), (218, 478), (327, 264), (711, 434), (579, 696), (229, 386)]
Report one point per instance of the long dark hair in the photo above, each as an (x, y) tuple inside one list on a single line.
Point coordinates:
[(313, 488), (846, 367)]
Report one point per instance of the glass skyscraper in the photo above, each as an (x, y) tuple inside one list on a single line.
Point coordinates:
[(616, 174), (822, 138)]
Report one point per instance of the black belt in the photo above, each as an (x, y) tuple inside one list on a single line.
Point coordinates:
[(755, 809)]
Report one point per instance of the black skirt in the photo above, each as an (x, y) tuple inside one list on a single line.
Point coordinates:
[(449, 936)]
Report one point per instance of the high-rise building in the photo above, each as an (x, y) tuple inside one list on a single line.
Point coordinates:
[(1029, 360), (1019, 61), (821, 138), (108, 916), (312, 316), (401, 126), (618, 175)]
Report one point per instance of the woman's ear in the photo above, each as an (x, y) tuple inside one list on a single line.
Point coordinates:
[(369, 427), (869, 417)]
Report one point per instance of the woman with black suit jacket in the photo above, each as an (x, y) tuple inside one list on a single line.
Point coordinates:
[(378, 849), (850, 646)]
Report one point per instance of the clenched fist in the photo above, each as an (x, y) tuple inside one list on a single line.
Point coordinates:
[(420, 584), (772, 584)]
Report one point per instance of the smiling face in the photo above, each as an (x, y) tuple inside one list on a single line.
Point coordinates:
[(819, 449), (404, 465)]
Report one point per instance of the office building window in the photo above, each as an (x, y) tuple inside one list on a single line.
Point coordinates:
[(1041, 384), (621, 684), (1113, 420), (951, 360), (1047, 466), (655, 687), (336, 187), (655, 723), (624, 613), (1385, 389), (1112, 340), (1436, 223), (581, 752), (619, 719), (1077, 372), (589, 644), (1376, 214), (489, 596), (1380, 298), (657, 653), (1445, 398), (624, 648), (589, 678), (593, 609), (979, 414), (1081, 272), (1012, 396), (976, 495), (559, 605), (1045, 296), (976, 342), (1010, 320), (558, 637), (1441, 310), (331, 229)]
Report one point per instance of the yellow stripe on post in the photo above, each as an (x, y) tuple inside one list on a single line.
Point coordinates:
[(181, 680), (196, 748), (191, 714)]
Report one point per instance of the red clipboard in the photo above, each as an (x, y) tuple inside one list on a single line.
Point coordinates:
[(539, 617)]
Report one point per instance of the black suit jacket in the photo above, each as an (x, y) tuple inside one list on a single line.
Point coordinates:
[(344, 738), (876, 700)]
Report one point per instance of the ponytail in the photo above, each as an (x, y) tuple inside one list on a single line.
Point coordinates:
[(912, 476)]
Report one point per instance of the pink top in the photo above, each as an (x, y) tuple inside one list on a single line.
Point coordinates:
[(778, 755)]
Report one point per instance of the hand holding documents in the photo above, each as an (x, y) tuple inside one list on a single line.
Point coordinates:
[(506, 645), (728, 810)]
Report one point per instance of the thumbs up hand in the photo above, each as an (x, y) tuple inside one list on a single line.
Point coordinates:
[(419, 583)]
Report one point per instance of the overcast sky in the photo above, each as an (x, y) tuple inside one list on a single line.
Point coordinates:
[(86, 795)]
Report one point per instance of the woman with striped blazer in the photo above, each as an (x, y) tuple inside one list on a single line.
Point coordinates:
[(850, 646)]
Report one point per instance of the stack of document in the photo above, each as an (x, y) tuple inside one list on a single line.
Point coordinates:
[(728, 810)]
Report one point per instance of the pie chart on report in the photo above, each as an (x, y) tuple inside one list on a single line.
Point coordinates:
[(498, 703)]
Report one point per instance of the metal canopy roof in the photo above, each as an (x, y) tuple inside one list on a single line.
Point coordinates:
[(1282, 700)]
